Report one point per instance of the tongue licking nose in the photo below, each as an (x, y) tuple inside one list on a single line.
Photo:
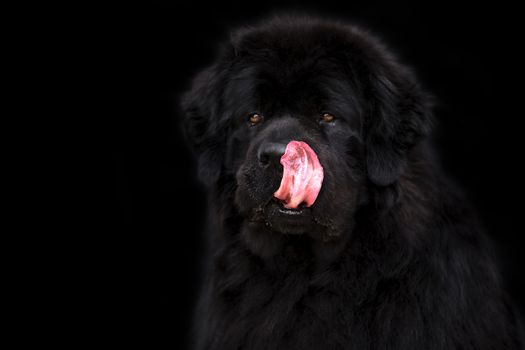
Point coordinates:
[(302, 176)]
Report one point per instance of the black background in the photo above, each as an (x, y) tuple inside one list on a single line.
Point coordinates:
[(466, 56)]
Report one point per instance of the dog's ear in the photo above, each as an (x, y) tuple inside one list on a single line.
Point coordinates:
[(200, 108), (400, 116)]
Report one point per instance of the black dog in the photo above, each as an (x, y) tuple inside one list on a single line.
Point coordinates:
[(388, 256)]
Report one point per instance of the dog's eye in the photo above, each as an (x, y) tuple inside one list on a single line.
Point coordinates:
[(255, 119), (327, 118)]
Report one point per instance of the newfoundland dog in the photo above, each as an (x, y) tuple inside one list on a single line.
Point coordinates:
[(330, 224)]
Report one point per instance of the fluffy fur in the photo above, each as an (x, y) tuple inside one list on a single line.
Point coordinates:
[(389, 256)]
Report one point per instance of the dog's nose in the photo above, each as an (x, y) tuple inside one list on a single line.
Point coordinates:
[(270, 152)]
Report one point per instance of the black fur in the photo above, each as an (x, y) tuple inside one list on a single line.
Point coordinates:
[(388, 257)]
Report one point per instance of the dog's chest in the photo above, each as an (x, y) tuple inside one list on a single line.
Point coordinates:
[(288, 313)]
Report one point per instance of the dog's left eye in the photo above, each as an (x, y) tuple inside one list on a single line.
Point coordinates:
[(327, 118)]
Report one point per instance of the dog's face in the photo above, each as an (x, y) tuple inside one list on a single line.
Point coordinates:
[(285, 100), (329, 86)]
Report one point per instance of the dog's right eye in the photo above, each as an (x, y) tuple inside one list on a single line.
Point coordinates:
[(255, 119)]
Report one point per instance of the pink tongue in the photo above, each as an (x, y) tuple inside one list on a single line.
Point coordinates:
[(302, 176)]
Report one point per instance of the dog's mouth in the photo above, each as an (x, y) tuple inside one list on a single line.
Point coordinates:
[(302, 176), (288, 221), (289, 208), (301, 209)]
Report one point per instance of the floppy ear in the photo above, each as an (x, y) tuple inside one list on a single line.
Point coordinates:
[(200, 123), (400, 118)]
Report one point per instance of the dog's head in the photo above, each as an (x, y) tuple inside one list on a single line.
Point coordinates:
[(329, 86)]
